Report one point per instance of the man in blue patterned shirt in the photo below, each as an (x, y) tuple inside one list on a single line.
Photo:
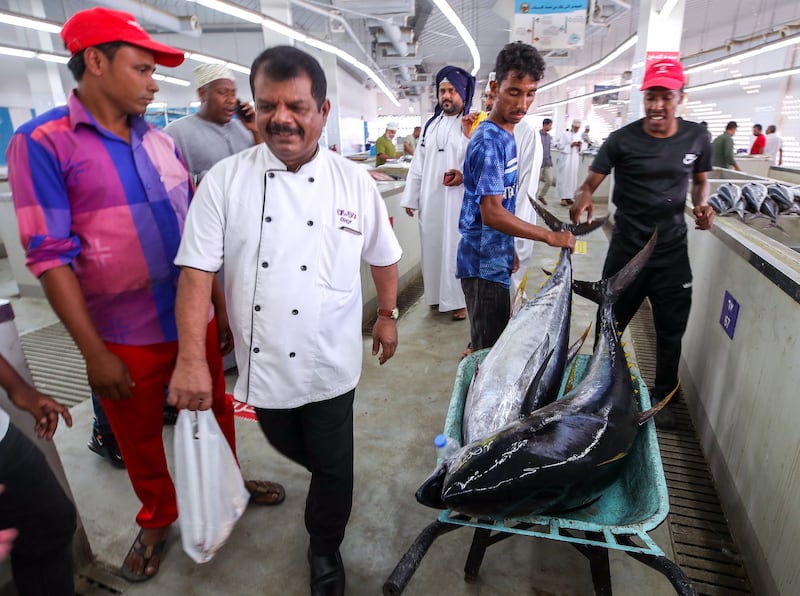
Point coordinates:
[(487, 224)]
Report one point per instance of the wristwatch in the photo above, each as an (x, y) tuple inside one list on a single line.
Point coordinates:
[(392, 314)]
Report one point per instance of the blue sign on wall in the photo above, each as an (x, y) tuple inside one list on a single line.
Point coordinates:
[(730, 313)]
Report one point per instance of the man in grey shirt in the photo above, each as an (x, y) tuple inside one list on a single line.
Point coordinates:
[(213, 133)]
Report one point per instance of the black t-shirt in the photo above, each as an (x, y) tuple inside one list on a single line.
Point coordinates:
[(651, 179)]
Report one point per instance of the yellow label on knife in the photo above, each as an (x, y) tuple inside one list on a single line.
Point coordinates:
[(581, 247)]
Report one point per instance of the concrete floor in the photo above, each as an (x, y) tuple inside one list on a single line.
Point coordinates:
[(399, 408)]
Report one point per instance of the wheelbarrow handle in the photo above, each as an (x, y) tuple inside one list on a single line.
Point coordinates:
[(406, 567)]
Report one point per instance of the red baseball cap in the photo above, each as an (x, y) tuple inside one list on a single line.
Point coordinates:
[(99, 25), (667, 73)]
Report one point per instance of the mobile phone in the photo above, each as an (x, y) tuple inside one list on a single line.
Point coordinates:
[(448, 177), (241, 113)]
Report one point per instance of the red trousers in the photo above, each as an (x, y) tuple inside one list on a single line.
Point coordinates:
[(138, 422)]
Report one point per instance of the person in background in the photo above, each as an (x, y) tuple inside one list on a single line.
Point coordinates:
[(569, 150), (384, 146), (773, 146), (410, 142), (546, 173), (488, 226), (100, 227), (704, 124), (37, 519), (293, 289), (212, 133), (434, 189), (209, 136), (654, 159), (757, 148), (587, 140), (722, 148)]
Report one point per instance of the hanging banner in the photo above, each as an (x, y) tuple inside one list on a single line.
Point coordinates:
[(550, 24)]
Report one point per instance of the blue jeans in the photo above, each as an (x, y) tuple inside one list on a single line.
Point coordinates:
[(101, 425)]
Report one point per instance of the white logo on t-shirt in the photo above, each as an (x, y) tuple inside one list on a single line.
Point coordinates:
[(689, 158)]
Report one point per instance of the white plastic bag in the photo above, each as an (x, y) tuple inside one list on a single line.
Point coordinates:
[(209, 485)]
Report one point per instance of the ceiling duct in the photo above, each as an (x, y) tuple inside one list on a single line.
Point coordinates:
[(188, 25)]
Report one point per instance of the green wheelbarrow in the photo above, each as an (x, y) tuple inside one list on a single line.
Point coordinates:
[(620, 519)]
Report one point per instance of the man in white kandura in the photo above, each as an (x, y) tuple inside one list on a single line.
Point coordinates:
[(569, 156), (434, 189)]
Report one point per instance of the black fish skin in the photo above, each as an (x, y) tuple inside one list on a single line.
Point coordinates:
[(563, 455)]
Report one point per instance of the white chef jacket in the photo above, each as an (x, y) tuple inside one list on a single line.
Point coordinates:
[(292, 245)]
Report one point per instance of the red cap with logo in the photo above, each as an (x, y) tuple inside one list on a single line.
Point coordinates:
[(99, 25), (667, 73)]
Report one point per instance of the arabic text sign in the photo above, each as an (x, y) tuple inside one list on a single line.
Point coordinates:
[(550, 24)]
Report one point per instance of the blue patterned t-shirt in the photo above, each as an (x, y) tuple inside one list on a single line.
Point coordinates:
[(490, 168)]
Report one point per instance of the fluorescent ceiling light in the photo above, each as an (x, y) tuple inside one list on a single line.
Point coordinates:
[(667, 9), (292, 33), (232, 10), (29, 23), (16, 52), (585, 96), (767, 47), (52, 57), (171, 80), (451, 16), (203, 58), (627, 45), (745, 80)]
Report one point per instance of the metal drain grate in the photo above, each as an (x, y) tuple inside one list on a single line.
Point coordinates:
[(703, 545), (410, 294), (56, 364)]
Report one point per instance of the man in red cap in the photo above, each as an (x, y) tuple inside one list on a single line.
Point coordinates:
[(101, 197), (654, 159)]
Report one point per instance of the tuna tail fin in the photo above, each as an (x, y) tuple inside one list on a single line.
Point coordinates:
[(607, 291), (557, 225), (648, 414)]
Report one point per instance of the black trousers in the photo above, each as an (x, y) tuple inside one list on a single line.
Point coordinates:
[(319, 437), (488, 308), (34, 503), (669, 288)]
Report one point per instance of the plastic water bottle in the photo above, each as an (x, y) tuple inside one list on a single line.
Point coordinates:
[(445, 446)]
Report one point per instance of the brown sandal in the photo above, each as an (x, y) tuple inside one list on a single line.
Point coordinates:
[(147, 553), (265, 493)]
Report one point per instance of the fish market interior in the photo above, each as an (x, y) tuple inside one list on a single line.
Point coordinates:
[(604, 500)]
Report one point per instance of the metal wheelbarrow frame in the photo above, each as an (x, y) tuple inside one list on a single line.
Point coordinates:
[(620, 519)]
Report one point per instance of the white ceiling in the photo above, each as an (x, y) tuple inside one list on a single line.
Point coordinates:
[(710, 28)]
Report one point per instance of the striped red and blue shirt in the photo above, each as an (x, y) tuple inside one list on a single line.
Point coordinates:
[(111, 209)]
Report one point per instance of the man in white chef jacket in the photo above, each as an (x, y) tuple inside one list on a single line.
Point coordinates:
[(291, 222)]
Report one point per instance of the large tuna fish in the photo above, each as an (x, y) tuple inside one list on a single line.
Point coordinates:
[(534, 345), (563, 455), (754, 194)]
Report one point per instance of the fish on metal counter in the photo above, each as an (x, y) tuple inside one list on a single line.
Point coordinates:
[(563, 455)]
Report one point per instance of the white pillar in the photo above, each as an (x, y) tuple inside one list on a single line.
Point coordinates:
[(332, 134), (656, 34), (280, 10)]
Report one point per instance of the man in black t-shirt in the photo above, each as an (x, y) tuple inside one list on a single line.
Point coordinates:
[(653, 160)]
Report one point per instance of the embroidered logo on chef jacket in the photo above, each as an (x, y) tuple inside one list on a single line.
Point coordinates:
[(345, 216), (689, 158)]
